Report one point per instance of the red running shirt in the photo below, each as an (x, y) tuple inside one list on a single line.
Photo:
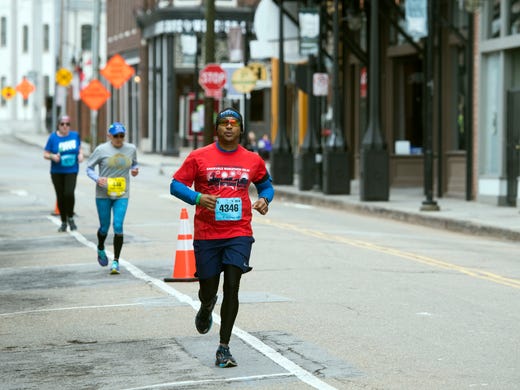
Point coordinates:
[(228, 175)]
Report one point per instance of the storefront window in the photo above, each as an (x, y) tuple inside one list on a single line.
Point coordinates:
[(408, 102)]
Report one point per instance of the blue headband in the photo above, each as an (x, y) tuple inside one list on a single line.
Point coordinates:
[(229, 112)]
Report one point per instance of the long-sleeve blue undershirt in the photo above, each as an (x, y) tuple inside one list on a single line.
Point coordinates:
[(183, 192), (265, 190)]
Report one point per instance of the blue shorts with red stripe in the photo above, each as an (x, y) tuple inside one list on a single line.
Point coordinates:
[(211, 255)]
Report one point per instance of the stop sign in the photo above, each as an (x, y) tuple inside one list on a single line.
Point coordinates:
[(212, 78)]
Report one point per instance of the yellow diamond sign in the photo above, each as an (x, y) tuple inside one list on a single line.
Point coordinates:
[(63, 77), (8, 92), (243, 80)]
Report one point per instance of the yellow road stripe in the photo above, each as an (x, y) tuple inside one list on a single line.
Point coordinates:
[(475, 273)]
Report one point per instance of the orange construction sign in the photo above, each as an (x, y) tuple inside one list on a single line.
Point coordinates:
[(117, 71), (25, 88), (94, 95)]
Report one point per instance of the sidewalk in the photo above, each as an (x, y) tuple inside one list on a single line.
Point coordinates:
[(404, 205)]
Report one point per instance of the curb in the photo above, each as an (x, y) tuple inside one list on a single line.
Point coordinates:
[(454, 225)]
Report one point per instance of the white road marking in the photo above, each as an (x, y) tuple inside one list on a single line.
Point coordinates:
[(20, 192), (254, 342), (15, 313), (207, 381)]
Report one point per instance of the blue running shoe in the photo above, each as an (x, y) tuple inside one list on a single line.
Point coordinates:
[(115, 268), (102, 258), (224, 358)]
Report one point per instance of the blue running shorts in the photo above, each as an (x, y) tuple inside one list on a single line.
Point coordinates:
[(211, 255)]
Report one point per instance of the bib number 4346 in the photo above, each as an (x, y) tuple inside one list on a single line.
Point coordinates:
[(228, 209)]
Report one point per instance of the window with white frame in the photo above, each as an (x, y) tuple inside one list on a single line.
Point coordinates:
[(86, 37), (514, 17)]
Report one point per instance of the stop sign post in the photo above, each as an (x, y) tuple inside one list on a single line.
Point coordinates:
[(212, 79)]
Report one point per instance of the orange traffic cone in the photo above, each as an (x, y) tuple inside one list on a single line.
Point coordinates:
[(56, 209), (184, 266)]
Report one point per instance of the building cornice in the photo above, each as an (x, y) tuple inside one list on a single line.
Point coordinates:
[(166, 20)]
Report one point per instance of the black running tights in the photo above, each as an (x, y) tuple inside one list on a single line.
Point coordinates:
[(229, 308), (65, 185)]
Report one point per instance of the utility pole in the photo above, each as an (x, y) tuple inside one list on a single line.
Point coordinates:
[(172, 140), (58, 14), (282, 164), (209, 102), (37, 66), (95, 70)]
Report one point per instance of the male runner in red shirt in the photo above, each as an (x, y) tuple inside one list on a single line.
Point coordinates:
[(222, 173)]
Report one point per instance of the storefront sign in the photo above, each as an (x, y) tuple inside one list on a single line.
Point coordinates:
[(309, 31), (416, 18)]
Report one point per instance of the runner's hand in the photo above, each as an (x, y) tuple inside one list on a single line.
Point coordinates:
[(208, 201)]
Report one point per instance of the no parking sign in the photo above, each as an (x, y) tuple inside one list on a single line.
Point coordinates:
[(320, 84)]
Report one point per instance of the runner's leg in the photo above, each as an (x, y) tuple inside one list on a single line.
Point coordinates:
[(230, 304)]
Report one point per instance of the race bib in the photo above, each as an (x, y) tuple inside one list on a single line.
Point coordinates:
[(228, 209), (68, 160), (116, 186)]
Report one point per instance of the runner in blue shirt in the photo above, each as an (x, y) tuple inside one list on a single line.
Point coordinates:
[(63, 148)]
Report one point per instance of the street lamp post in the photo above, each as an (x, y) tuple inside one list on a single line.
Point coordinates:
[(471, 7), (374, 175), (429, 204), (336, 168), (282, 163)]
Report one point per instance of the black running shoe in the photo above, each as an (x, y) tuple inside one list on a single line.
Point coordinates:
[(224, 358), (204, 319), (72, 225), (63, 227)]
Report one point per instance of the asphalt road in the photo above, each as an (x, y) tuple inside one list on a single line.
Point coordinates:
[(335, 300)]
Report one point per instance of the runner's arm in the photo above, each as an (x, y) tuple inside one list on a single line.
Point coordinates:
[(183, 192), (92, 174), (265, 188)]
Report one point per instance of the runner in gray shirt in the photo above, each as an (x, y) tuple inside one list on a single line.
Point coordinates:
[(116, 160)]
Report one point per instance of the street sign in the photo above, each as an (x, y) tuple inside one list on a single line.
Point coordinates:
[(212, 79), (25, 88), (244, 79), (8, 92), (320, 84), (94, 95), (63, 77), (363, 82), (117, 71), (258, 69)]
